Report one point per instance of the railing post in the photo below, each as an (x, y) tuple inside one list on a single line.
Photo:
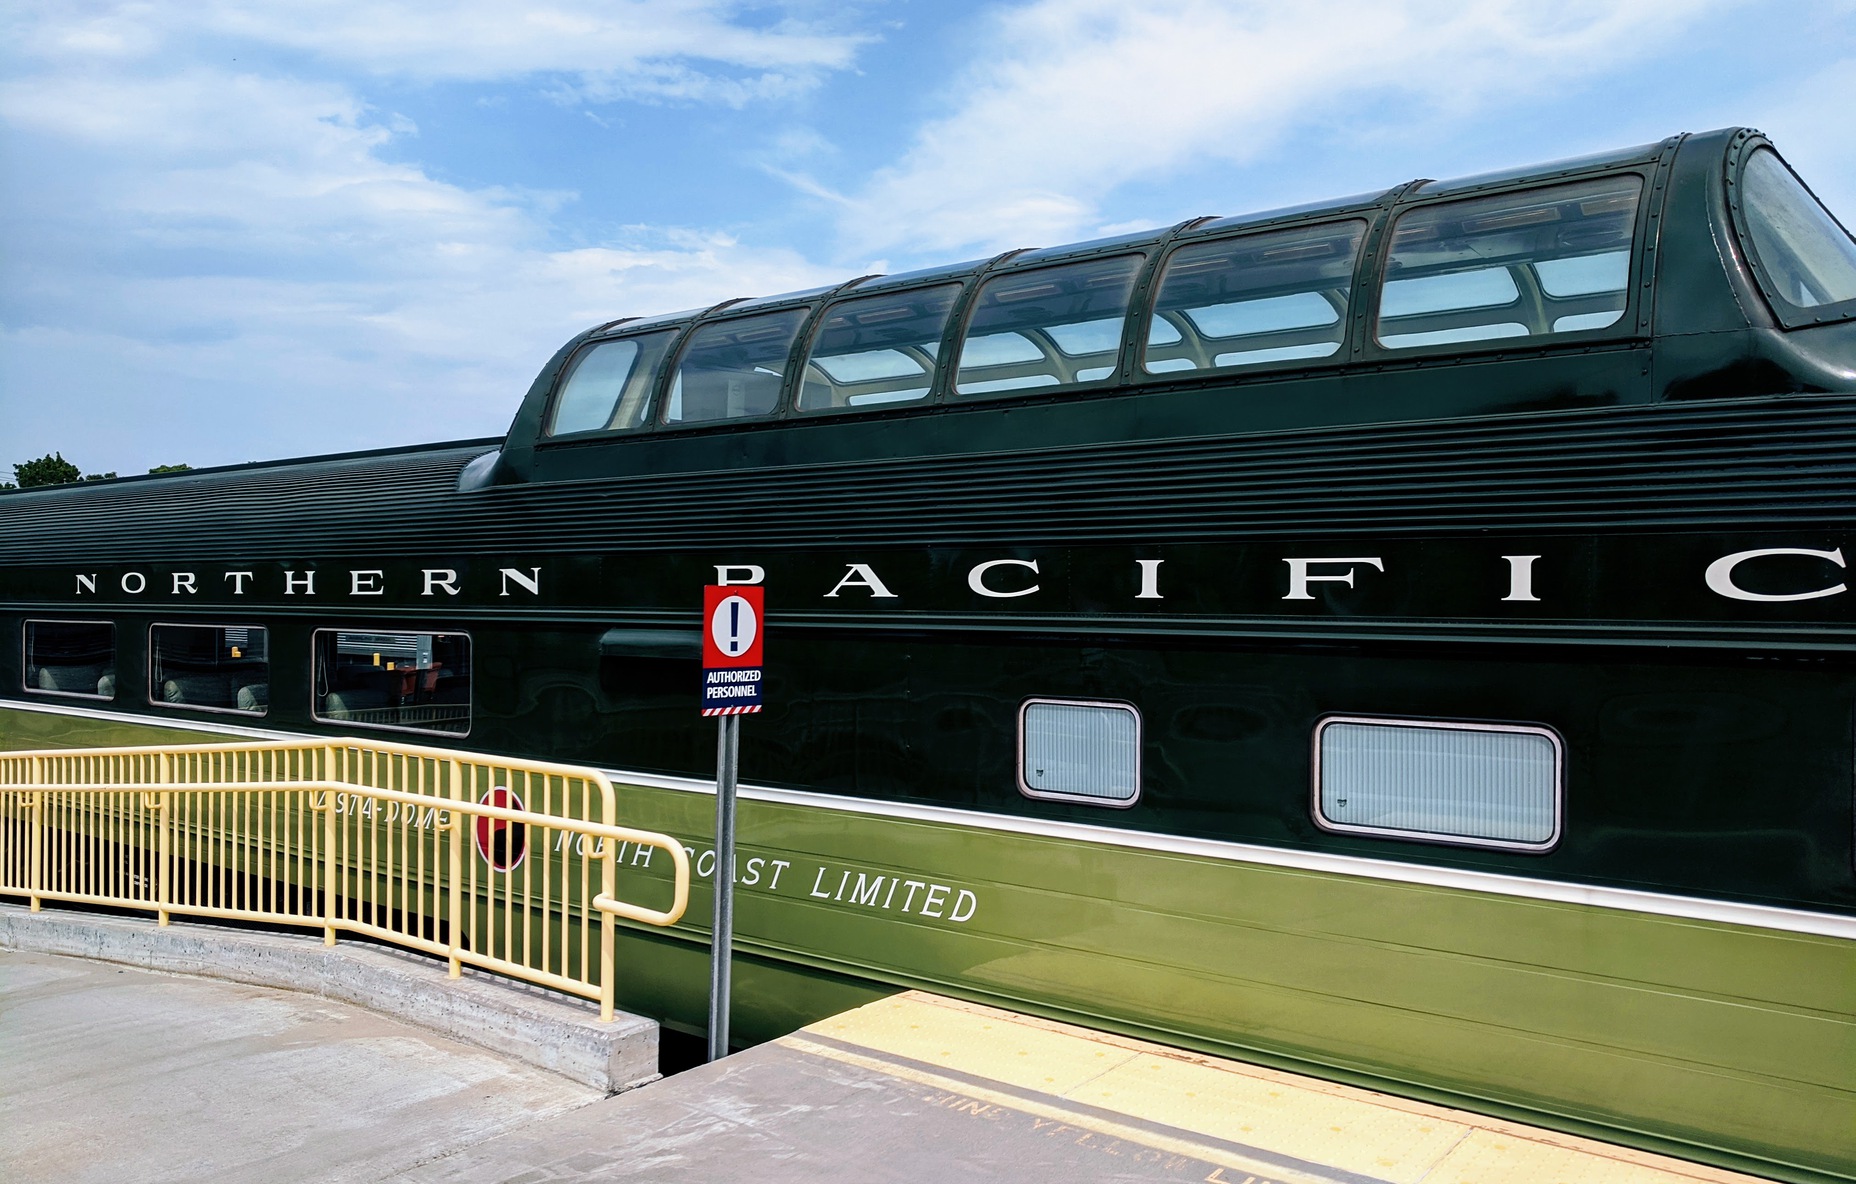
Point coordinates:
[(36, 802), (609, 884), (328, 851), (455, 878), (164, 852)]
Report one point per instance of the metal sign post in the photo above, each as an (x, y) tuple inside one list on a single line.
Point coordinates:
[(731, 681), (721, 950)]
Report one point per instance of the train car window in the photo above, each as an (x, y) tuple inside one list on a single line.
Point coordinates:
[(210, 667), (1079, 752), (1055, 326), (877, 351), (1534, 263), (1274, 297), (71, 658), (608, 385), (733, 369), (1483, 785), (411, 681), (1805, 258)]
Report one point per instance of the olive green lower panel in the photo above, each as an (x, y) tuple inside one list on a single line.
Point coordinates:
[(1715, 1041), (1729, 1043), (44, 729)]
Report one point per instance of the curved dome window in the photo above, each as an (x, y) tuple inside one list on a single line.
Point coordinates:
[(1806, 260), (607, 385), (733, 369), (877, 351), (1049, 327), (1534, 262)]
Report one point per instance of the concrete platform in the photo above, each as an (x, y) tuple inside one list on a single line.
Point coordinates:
[(110, 1075), (918, 1089), (537, 1027)]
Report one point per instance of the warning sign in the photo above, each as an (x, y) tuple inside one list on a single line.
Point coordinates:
[(731, 648), (503, 844)]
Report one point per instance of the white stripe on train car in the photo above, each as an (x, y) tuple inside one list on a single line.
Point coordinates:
[(1692, 908)]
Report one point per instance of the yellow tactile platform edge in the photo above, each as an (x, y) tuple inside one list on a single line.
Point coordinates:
[(1050, 1068)]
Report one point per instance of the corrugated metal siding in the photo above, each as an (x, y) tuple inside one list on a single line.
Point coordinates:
[(1763, 463)]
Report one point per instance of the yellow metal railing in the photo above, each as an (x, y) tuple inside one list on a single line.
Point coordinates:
[(505, 865)]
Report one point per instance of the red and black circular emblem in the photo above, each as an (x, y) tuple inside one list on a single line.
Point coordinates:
[(502, 843)]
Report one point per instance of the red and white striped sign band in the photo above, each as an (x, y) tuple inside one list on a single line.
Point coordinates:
[(731, 710)]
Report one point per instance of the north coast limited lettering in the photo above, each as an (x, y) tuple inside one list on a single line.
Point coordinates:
[(877, 890)]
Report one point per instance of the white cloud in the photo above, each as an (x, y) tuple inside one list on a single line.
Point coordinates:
[(212, 263), (708, 50), (439, 344), (495, 39), (1074, 98)]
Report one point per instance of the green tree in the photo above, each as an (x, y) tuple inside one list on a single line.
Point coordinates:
[(52, 469), (171, 469)]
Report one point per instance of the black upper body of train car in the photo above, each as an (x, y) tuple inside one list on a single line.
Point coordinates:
[(1565, 453)]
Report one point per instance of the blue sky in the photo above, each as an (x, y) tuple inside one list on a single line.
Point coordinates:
[(235, 232)]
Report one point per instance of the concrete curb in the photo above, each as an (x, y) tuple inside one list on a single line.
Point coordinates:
[(537, 1027)]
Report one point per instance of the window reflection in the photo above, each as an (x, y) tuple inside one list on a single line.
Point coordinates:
[(1532, 263), (878, 350), (1808, 259), (419, 681), (210, 667), (607, 385), (1275, 296), (71, 658), (733, 369), (1053, 326)]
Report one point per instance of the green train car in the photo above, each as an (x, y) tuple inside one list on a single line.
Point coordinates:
[(1409, 639)]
